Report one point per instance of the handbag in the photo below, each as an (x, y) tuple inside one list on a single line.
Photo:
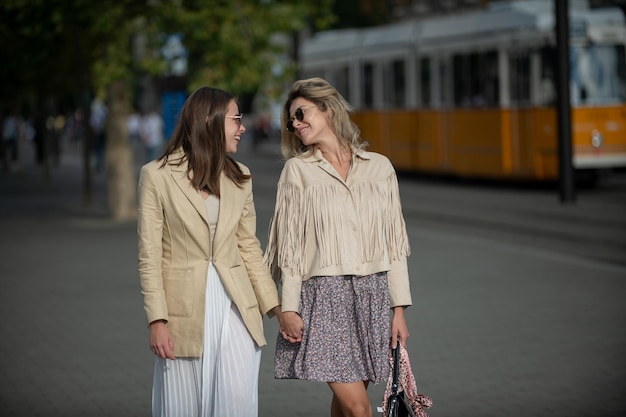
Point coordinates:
[(401, 396)]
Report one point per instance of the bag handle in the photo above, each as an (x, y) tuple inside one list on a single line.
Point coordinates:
[(396, 368)]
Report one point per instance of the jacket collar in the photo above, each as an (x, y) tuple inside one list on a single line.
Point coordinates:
[(318, 158), (173, 161), (316, 155)]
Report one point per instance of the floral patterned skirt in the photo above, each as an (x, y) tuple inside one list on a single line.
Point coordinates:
[(346, 331)]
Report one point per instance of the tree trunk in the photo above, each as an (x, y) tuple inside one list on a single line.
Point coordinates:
[(121, 182)]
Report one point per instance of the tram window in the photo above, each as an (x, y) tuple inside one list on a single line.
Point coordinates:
[(520, 79), (394, 84), (368, 85), (341, 82), (547, 85), (475, 78), (620, 52), (445, 82), (399, 83), (597, 74), (491, 87), (388, 87), (462, 80), (425, 81)]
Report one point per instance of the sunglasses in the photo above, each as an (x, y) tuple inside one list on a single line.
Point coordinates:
[(299, 116), (238, 119)]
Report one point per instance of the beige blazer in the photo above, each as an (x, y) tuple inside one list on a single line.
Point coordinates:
[(175, 252)]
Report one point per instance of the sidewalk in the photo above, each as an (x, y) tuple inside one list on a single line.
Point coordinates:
[(506, 321), (72, 317)]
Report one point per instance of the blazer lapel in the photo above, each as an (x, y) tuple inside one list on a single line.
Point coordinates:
[(179, 174), (228, 195)]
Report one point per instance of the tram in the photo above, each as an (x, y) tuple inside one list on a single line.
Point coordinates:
[(473, 94)]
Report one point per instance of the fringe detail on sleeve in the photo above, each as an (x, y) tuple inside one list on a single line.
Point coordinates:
[(395, 227), (286, 244)]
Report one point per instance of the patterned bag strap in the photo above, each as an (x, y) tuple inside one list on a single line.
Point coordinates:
[(393, 381), (407, 382)]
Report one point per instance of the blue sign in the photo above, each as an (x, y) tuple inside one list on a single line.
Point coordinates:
[(171, 104)]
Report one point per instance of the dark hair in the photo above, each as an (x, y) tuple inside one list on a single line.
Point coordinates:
[(200, 133)]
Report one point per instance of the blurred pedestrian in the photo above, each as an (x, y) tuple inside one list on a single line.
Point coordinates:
[(261, 131), (338, 245), (97, 122), (133, 124), (55, 125), (74, 129), (202, 275), (10, 140), (152, 136)]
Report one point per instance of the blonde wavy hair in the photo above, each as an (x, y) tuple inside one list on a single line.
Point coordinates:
[(328, 100)]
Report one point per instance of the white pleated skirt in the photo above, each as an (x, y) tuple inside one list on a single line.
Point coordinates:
[(224, 381)]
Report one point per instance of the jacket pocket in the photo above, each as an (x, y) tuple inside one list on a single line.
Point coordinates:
[(240, 275), (179, 292)]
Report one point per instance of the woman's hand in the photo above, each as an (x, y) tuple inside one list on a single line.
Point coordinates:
[(291, 326), (399, 329), (161, 341)]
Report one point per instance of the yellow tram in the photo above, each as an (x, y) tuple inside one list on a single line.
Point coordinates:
[(473, 94)]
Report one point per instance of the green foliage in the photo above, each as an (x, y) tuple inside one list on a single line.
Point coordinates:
[(49, 47), (52, 47), (230, 43)]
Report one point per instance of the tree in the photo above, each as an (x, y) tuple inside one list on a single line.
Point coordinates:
[(362, 13), (230, 42), (51, 49), (61, 48), (35, 70)]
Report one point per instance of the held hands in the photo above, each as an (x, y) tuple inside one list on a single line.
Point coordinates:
[(399, 329), (291, 326), (161, 341)]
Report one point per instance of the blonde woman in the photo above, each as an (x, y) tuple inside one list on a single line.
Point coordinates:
[(338, 247)]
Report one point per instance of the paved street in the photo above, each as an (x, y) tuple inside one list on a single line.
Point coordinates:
[(519, 301)]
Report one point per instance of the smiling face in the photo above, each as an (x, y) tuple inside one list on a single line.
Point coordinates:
[(233, 127), (309, 123)]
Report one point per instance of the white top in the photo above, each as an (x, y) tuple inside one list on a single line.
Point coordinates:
[(212, 204)]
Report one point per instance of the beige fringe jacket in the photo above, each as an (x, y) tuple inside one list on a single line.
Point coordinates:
[(323, 226)]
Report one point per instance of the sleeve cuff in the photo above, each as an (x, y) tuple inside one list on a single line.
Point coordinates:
[(291, 287), (399, 287)]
